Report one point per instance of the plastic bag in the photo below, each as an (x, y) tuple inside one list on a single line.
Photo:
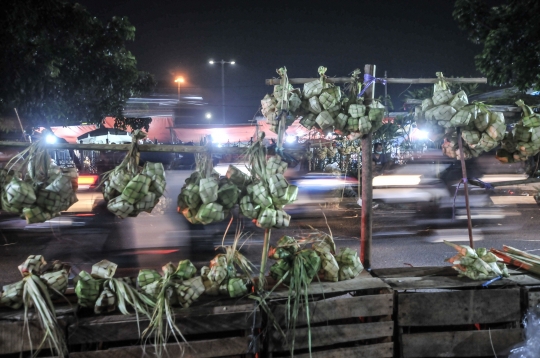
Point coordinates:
[(530, 348)]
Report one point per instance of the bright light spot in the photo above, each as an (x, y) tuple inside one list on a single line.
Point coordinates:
[(219, 136), (211, 62), (422, 134), (290, 139), (208, 115), (50, 139), (232, 62), (179, 80), (396, 180)]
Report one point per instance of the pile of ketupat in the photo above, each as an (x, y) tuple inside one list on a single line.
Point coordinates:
[(479, 264), (130, 189), (440, 115), (323, 106), (35, 187), (38, 286)]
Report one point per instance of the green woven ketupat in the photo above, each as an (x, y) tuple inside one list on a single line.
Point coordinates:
[(459, 101), (56, 281), (190, 195), (497, 126), (33, 264), (12, 295), (196, 285), (461, 118), (376, 114), (528, 149), (87, 289), (308, 121), (445, 124), (313, 88), (357, 110), (158, 184), (294, 102), (19, 194), (441, 112), (340, 122), (36, 214), (236, 176), (50, 201), (349, 264), (275, 165), (185, 270), (147, 276), (236, 287), (153, 289), (109, 192), (329, 266), (327, 99), (314, 105), (279, 269), (279, 253), (535, 135), (152, 169), (60, 185), (441, 97), (364, 125), (278, 185), (486, 143), (471, 137), (521, 133), (282, 219), (288, 243), (218, 269), (267, 218), (119, 178), (104, 269), (352, 124), (311, 261), (260, 194), (288, 198), (106, 302), (427, 104), (268, 104), (249, 209), (531, 121), (120, 207), (334, 110), (228, 195), (208, 190), (211, 288), (209, 213), (147, 203), (136, 189)]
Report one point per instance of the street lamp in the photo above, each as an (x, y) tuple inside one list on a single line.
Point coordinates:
[(222, 84), (208, 115), (179, 80)]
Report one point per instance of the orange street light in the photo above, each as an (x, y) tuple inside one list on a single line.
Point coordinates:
[(179, 80)]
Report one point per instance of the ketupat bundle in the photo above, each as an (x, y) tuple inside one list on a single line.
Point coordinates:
[(35, 187), (104, 293), (481, 129), (36, 289), (177, 286), (479, 264), (131, 189)]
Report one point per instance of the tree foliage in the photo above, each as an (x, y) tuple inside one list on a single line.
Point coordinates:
[(510, 36), (59, 65)]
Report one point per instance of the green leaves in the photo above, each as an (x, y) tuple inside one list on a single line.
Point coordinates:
[(510, 36), (60, 65)]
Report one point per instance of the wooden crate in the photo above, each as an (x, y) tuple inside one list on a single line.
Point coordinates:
[(442, 315), (348, 319), (214, 327)]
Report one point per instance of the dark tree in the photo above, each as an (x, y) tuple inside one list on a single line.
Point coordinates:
[(59, 65), (510, 36)]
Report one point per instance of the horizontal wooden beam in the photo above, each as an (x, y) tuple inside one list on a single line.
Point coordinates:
[(494, 108), (298, 81), (163, 148)]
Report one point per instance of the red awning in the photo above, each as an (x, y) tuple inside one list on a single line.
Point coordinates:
[(159, 128)]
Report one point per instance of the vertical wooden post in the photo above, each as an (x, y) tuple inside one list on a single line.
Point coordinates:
[(465, 187), (367, 183)]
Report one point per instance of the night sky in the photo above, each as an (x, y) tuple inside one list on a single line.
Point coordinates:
[(405, 38)]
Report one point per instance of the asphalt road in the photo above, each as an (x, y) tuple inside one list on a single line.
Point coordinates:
[(401, 236)]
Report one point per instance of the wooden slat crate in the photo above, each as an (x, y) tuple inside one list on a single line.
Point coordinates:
[(447, 316), (215, 327), (348, 319)]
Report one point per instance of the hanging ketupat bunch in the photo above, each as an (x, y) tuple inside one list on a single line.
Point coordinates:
[(324, 106), (104, 293), (35, 290), (35, 187), (178, 286), (130, 189), (268, 191), (206, 198), (524, 140), (479, 264), (481, 129)]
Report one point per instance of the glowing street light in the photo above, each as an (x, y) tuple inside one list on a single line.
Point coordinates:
[(222, 83), (179, 80), (208, 115)]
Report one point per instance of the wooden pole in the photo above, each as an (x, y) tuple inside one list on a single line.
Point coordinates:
[(298, 81), (367, 183), (465, 187)]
